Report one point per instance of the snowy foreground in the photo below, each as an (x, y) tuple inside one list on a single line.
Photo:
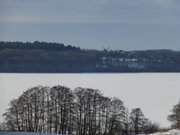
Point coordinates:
[(170, 132), (24, 133)]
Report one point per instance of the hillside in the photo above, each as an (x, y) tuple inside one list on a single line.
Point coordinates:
[(44, 57)]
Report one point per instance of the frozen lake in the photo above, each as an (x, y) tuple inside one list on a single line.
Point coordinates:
[(155, 93)]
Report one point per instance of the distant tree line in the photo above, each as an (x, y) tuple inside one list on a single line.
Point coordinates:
[(50, 57), (50, 46), (83, 111)]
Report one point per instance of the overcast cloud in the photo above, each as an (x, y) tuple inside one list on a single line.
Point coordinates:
[(118, 24)]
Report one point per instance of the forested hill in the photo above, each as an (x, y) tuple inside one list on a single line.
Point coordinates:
[(45, 57)]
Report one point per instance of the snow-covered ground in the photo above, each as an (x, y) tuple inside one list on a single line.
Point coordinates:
[(170, 132), (24, 133)]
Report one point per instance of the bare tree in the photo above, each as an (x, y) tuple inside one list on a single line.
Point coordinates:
[(137, 119), (175, 116)]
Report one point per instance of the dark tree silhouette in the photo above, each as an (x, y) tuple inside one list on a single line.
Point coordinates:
[(175, 116), (84, 111)]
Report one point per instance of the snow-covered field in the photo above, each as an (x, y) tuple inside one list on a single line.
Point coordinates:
[(170, 132), (24, 133)]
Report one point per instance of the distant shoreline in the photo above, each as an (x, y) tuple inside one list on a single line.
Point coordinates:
[(46, 57)]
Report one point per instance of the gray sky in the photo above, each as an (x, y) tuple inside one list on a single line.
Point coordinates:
[(98, 24), (154, 93)]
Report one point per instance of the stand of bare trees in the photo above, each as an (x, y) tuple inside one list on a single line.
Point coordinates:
[(83, 111)]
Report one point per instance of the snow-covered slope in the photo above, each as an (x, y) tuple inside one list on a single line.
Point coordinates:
[(24, 133), (170, 132)]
